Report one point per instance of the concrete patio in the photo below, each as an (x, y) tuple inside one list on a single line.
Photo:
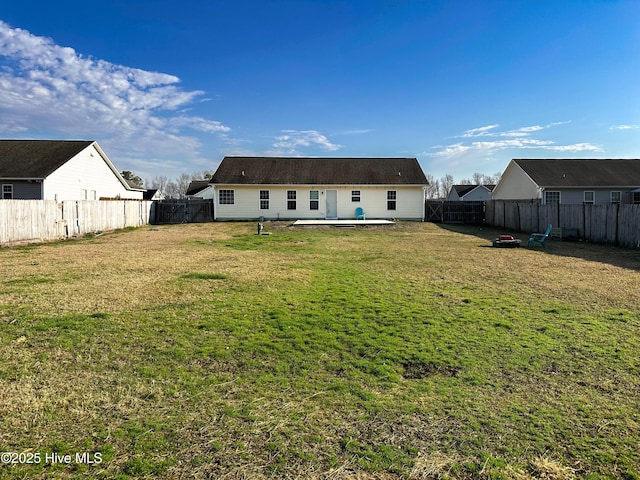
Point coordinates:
[(343, 223)]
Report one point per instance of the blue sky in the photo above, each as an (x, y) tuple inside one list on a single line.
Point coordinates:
[(170, 87)]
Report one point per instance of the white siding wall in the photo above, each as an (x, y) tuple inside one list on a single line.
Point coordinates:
[(88, 172), (373, 200), (515, 185), (207, 193)]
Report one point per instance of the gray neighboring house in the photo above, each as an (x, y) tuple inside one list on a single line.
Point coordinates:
[(571, 181), (468, 193)]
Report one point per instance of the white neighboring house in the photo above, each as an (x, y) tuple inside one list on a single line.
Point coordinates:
[(153, 194), (199, 189), (571, 181), (60, 170), (288, 188), (468, 193)]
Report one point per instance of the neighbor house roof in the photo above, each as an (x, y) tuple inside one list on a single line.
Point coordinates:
[(36, 159), (196, 186), (149, 194), (582, 172), (319, 171), (462, 190)]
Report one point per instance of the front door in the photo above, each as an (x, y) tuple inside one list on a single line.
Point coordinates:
[(332, 204)]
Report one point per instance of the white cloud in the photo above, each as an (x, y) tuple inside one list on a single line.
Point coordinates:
[(48, 88), (625, 127), (360, 131), (291, 140), (479, 132), (450, 150), (517, 139), (490, 131), (576, 147)]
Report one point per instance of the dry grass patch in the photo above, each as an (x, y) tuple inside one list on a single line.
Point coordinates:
[(412, 351), (132, 271)]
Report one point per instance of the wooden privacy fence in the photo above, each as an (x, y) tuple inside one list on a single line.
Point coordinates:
[(187, 210), (441, 211), (45, 220), (617, 224)]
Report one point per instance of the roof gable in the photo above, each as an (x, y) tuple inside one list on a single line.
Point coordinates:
[(36, 159), (582, 172), (462, 190), (319, 171), (196, 186)]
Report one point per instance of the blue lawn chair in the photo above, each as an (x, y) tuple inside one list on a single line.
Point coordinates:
[(360, 214), (540, 238)]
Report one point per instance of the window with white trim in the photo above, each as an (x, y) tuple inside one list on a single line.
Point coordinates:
[(616, 197), (226, 197), (551, 197), (589, 197), (291, 199), (355, 195), (264, 199), (391, 199), (7, 191), (314, 196)]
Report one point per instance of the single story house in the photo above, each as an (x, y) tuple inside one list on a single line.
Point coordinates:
[(287, 188), (60, 170), (152, 194), (470, 193), (196, 187), (571, 181)]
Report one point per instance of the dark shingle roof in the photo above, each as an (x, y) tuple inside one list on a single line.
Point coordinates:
[(148, 194), (462, 190), (36, 158), (196, 186), (582, 172), (319, 171)]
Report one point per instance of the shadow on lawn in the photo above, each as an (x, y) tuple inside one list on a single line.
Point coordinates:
[(620, 257)]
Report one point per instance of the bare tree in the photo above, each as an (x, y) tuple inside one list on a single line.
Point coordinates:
[(177, 188), (433, 187), (446, 183), (494, 179), (206, 175), (158, 183), (182, 183), (478, 178)]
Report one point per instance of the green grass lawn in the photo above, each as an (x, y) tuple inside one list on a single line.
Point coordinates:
[(410, 351)]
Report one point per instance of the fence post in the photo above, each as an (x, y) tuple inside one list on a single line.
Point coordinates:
[(617, 223)]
